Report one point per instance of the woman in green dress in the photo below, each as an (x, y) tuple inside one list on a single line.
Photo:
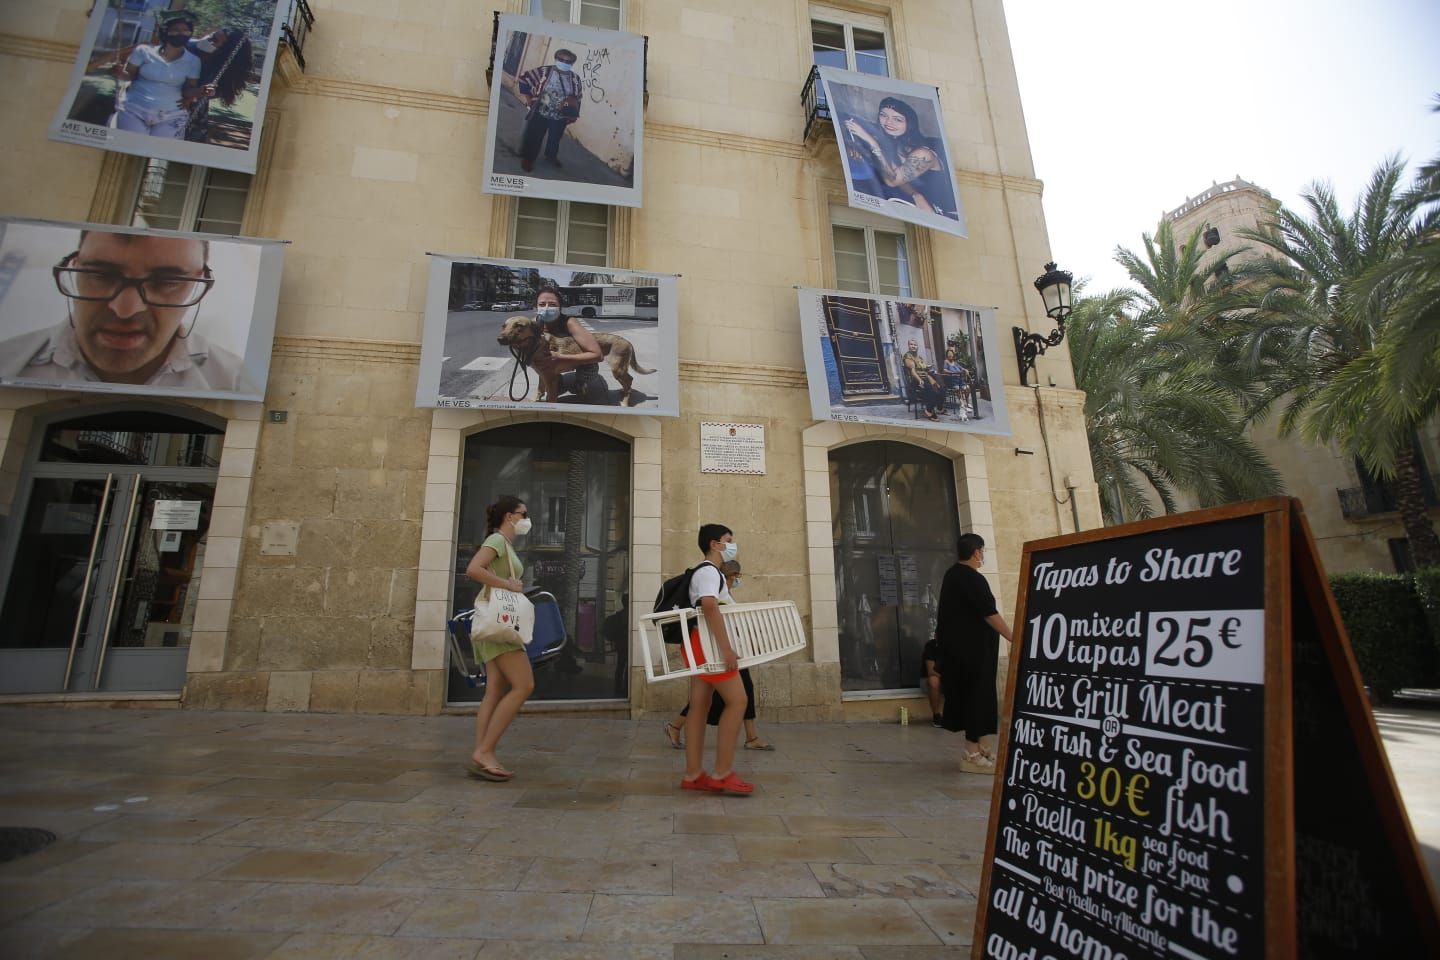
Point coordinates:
[(508, 678)]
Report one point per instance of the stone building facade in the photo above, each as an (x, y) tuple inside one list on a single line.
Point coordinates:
[(1351, 513), (339, 506)]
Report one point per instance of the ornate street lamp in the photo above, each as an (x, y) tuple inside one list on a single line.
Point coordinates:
[(1054, 288)]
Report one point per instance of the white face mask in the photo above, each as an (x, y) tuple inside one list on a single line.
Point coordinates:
[(735, 585), (522, 526), (563, 67), (205, 46), (729, 551), (547, 314)]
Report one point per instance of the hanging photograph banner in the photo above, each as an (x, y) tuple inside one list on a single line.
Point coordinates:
[(513, 334), (566, 107), (892, 141), (107, 309), (182, 80), (902, 361)]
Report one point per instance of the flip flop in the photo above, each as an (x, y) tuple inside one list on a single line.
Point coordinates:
[(676, 737), (763, 746), (481, 772)]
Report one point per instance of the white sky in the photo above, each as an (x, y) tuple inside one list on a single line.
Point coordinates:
[(1134, 105)]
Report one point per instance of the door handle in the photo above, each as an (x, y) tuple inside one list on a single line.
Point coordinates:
[(115, 587), (100, 516)]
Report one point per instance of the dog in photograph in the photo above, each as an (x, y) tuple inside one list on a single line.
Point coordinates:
[(528, 342)]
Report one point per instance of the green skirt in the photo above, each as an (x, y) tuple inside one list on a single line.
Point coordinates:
[(487, 650)]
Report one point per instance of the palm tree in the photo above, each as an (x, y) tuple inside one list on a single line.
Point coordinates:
[(1159, 422), (1174, 289), (1342, 325)]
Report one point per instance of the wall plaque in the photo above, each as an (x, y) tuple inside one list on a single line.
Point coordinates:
[(732, 448)]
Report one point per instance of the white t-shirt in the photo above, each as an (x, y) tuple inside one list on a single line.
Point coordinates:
[(709, 582), (159, 82)]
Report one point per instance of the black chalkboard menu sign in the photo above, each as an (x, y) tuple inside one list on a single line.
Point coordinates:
[(1163, 709)]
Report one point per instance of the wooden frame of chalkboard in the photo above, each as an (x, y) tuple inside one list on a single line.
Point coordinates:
[(1156, 666)]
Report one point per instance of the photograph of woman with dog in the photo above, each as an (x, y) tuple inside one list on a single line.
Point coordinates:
[(513, 334)]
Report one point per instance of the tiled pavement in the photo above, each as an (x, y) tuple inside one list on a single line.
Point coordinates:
[(228, 836)]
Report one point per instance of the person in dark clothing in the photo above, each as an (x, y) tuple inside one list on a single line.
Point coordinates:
[(226, 59), (553, 95), (966, 625), (930, 679)]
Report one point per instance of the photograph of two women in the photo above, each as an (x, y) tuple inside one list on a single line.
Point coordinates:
[(182, 80)]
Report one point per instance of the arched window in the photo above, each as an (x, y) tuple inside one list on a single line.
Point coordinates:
[(576, 484), (895, 523)]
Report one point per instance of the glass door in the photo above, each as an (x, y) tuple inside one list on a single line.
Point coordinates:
[(894, 527), (105, 556)]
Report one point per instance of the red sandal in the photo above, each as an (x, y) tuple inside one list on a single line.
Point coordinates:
[(732, 784)]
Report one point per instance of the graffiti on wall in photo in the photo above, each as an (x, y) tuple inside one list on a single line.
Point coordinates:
[(566, 108), (892, 141), (902, 361), (514, 334), (105, 309), (183, 80)]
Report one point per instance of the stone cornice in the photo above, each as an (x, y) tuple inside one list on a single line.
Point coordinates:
[(37, 49), (786, 377), (401, 351), (312, 86), (291, 80), (334, 348)]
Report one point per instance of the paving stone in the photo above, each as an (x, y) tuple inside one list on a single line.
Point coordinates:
[(598, 876), (450, 871), (797, 848), (500, 916), (711, 951), (952, 920), (322, 908), (303, 866), (709, 823), (169, 945), (148, 861), (842, 921), (803, 826), (902, 880), (636, 919), (331, 946), (746, 879)]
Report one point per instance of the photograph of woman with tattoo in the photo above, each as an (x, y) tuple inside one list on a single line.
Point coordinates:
[(904, 164)]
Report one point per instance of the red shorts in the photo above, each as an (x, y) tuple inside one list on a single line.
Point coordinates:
[(699, 654)]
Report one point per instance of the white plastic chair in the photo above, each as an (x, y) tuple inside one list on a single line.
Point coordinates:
[(759, 632)]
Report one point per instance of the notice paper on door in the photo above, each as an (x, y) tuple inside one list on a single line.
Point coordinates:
[(176, 515)]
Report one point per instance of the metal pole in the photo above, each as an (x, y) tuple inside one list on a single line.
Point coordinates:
[(89, 571), (115, 587)]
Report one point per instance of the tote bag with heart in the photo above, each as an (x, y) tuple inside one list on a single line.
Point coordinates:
[(503, 616)]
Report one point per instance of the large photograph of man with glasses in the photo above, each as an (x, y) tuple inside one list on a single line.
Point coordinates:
[(565, 119), (105, 309)]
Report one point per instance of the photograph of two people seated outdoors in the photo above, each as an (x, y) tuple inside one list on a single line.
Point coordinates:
[(886, 360)]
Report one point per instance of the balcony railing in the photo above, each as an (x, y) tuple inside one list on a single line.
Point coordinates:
[(816, 109), (296, 28)]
